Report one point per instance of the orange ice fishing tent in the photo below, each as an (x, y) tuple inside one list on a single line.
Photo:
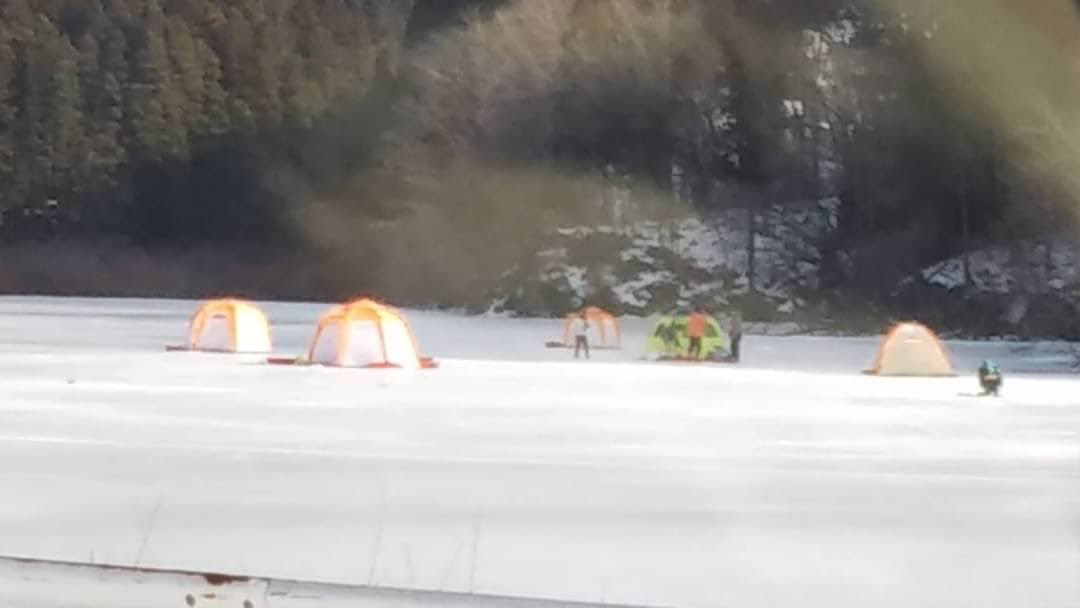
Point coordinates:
[(228, 326), (604, 329), (911, 349), (365, 333)]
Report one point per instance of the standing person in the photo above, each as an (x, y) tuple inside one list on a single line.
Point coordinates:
[(695, 328), (736, 335), (581, 335)]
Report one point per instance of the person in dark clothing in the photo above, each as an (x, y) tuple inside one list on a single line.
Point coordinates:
[(990, 378), (736, 336)]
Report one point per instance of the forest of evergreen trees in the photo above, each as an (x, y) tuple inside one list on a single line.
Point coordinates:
[(141, 116), (383, 139)]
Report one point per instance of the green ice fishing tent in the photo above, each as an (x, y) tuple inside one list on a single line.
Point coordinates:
[(669, 339)]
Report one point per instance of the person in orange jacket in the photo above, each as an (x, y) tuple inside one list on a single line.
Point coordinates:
[(695, 328)]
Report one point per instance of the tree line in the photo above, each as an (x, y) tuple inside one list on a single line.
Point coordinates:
[(429, 137), (938, 128), (112, 111)]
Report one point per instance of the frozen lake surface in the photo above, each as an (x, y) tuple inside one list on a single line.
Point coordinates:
[(791, 480)]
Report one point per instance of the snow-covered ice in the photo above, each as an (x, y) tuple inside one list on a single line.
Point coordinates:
[(512, 470)]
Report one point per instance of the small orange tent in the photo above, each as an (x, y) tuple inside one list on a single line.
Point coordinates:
[(911, 349), (229, 326), (604, 329), (365, 333)]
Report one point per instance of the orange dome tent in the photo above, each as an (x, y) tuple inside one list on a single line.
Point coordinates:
[(365, 333), (228, 326), (911, 349), (604, 329)]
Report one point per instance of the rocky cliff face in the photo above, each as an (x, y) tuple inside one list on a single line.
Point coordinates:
[(651, 267)]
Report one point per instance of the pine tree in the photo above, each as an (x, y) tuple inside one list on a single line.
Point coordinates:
[(189, 70), (236, 46), (272, 44), (303, 98), (39, 59), (241, 116), (113, 52), (92, 93), (316, 46), (90, 77), (155, 104), (103, 114), (18, 19), (108, 153), (65, 131), (8, 117), (213, 119)]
